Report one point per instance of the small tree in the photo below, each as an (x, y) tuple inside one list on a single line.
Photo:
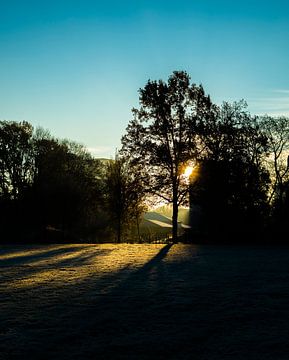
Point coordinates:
[(16, 158), (124, 197), (163, 136)]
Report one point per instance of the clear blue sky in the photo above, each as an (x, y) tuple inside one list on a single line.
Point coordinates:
[(75, 67)]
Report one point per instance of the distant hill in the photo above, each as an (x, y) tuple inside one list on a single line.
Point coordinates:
[(156, 216), (159, 221), (167, 211)]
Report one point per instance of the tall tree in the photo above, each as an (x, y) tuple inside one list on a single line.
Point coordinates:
[(163, 136)]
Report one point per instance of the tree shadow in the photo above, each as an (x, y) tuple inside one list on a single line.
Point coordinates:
[(156, 260), (18, 260), (23, 266)]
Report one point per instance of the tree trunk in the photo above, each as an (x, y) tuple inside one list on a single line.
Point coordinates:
[(175, 217), (118, 239), (138, 232)]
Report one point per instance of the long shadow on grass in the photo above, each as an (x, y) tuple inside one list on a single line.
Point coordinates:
[(27, 265), (36, 255)]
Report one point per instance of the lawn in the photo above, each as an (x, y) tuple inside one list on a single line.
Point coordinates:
[(148, 301)]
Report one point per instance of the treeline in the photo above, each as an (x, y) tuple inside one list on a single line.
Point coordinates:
[(238, 189), (54, 190)]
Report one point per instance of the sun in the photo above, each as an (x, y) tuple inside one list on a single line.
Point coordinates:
[(188, 171)]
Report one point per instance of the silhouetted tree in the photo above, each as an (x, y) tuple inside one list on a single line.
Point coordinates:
[(67, 185), (16, 158), (16, 175), (46, 182), (277, 131), (283, 213), (163, 136), (124, 197), (232, 182)]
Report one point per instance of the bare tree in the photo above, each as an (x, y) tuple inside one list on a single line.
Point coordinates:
[(276, 130)]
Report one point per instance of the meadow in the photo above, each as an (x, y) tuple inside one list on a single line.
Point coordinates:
[(146, 301)]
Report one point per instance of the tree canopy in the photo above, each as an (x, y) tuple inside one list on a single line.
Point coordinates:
[(164, 135)]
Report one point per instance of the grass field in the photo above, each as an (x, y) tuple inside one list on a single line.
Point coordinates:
[(144, 302)]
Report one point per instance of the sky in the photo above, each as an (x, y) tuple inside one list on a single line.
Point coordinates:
[(75, 67)]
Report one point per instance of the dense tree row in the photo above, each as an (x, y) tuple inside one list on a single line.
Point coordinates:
[(51, 188)]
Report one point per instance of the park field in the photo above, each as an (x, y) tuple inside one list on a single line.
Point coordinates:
[(147, 301)]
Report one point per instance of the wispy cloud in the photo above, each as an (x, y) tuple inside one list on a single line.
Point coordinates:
[(275, 103), (281, 91)]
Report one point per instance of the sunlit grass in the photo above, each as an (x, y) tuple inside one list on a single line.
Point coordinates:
[(73, 264), (31, 252)]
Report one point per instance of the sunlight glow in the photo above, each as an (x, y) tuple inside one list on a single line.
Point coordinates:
[(188, 171)]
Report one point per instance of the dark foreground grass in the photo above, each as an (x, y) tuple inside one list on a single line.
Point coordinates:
[(144, 302)]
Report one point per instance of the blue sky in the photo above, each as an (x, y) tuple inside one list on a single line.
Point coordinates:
[(75, 67)]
